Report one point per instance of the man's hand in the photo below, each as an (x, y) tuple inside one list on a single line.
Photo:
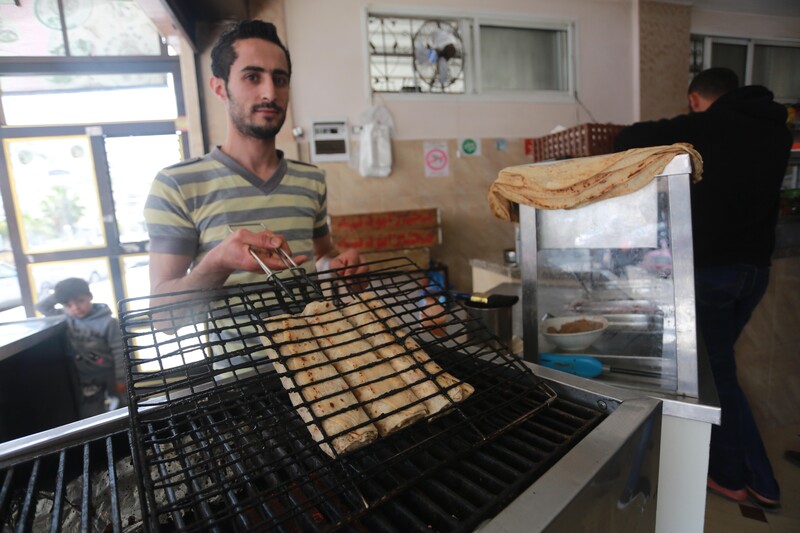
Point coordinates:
[(350, 263), (170, 273), (234, 252)]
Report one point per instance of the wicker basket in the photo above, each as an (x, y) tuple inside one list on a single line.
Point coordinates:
[(579, 141)]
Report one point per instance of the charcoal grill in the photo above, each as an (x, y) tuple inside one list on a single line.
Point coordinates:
[(217, 445)]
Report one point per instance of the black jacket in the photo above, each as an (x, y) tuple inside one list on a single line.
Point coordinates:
[(745, 144)]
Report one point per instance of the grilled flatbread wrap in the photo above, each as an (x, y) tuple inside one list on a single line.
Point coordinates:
[(457, 390), (386, 347), (387, 400), (313, 381), (577, 182)]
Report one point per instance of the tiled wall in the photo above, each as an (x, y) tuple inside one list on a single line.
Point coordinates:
[(469, 230), (768, 352), (664, 59)]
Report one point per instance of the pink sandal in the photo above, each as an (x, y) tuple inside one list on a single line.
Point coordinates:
[(763, 501), (738, 496)]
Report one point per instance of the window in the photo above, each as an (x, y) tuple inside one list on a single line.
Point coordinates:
[(92, 28), (778, 67), (468, 55), (523, 59), (773, 65), (128, 169), (88, 114), (404, 57), (76, 99)]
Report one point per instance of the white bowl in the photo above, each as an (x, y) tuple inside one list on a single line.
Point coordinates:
[(572, 342)]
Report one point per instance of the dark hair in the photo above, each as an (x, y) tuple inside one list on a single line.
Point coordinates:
[(714, 82), (71, 288), (223, 54)]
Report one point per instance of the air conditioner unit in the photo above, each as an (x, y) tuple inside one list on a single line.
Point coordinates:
[(330, 142)]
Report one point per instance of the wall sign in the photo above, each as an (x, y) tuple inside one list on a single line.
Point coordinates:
[(469, 146), (529, 148), (436, 159)]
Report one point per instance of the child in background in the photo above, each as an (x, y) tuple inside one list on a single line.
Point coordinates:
[(95, 345)]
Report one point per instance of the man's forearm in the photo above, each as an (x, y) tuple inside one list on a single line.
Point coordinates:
[(197, 278), (170, 274)]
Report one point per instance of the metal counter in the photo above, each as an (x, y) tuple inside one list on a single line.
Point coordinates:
[(16, 337), (36, 377)]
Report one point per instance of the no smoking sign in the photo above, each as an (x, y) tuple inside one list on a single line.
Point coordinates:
[(437, 159)]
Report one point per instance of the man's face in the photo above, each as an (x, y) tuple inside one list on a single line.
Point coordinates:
[(79, 307), (258, 88)]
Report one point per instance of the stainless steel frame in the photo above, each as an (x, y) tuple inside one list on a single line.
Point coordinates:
[(679, 316), (608, 478), (607, 481)]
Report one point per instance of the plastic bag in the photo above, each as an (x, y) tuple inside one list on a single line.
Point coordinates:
[(375, 143)]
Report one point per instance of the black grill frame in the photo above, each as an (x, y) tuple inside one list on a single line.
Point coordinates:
[(198, 411), (485, 479)]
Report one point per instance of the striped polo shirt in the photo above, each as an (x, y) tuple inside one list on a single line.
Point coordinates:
[(192, 204)]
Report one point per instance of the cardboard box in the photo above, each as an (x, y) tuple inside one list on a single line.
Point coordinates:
[(421, 257), (390, 230), (365, 222)]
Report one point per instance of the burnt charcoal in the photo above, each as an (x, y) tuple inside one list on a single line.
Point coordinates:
[(99, 508)]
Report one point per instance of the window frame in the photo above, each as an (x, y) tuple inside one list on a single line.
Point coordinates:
[(33, 66), (750, 44), (469, 24)]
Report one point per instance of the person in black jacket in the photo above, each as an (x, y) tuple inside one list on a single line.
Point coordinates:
[(742, 136)]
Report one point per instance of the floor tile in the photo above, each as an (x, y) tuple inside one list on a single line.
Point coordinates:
[(724, 516)]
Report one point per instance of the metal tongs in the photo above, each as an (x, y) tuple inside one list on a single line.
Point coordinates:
[(284, 257)]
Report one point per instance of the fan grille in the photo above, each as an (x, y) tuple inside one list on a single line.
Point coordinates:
[(392, 55)]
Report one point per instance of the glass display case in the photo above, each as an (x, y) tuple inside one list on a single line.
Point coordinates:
[(626, 261)]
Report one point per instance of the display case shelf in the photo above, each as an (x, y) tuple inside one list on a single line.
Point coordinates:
[(629, 260)]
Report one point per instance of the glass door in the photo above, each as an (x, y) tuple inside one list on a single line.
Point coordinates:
[(133, 162), (79, 152), (53, 183), (55, 188), (10, 294), (77, 204)]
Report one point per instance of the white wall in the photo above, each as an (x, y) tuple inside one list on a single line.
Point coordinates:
[(327, 39), (741, 25)]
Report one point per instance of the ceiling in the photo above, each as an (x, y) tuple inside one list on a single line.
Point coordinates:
[(188, 12), (215, 10), (782, 8), (209, 10)]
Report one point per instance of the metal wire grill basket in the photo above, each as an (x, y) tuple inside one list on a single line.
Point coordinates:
[(219, 438)]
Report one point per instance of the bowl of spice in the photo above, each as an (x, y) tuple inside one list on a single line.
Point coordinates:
[(573, 333)]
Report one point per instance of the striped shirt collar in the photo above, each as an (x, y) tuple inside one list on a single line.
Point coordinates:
[(266, 186)]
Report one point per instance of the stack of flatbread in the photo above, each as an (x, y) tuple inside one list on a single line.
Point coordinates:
[(577, 182), (350, 378)]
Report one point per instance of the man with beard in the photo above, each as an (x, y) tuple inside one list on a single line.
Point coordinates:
[(246, 183)]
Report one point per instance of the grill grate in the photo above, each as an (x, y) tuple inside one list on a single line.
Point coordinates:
[(78, 488), (219, 446), (87, 487)]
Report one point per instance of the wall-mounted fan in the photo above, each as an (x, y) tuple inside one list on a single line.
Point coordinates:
[(438, 54)]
